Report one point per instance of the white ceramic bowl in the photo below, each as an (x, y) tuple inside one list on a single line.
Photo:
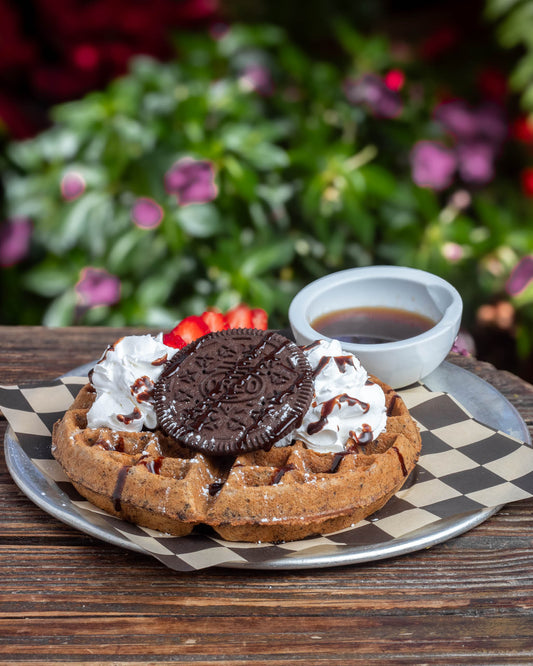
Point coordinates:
[(397, 363)]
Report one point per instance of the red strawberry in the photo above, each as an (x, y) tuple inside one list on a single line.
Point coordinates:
[(239, 317), (172, 339), (215, 321), (259, 319), (190, 328)]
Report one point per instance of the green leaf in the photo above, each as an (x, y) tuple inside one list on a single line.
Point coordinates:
[(61, 312), (48, 280), (242, 177), (88, 216), (267, 257), (199, 220)]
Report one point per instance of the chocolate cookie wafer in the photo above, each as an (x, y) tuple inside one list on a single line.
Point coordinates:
[(234, 391)]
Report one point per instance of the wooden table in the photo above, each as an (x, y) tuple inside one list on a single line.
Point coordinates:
[(67, 597)]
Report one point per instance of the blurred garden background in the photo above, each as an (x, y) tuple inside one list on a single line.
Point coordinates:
[(163, 157)]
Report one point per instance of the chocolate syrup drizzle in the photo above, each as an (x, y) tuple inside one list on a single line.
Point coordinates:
[(327, 409), (392, 404), (119, 487), (401, 459), (337, 459), (153, 466), (142, 389), (280, 473), (126, 419)]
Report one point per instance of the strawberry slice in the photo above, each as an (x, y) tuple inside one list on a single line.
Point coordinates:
[(239, 317), (215, 321), (259, 319), (172, 339), (190, 328)]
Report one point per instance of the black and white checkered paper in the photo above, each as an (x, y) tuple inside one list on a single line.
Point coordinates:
[(465, 467)]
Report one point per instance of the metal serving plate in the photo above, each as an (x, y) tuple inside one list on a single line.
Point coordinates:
[(481, 399)]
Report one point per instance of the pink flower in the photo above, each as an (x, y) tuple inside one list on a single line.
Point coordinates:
[(15, 237), (476, 162), (453, 252), (521, 276), (464, 344), (375, 94), (97, 287), (259, 79), (72, 186), (146, 213), (432, 165), (192, 181), (467, 124)]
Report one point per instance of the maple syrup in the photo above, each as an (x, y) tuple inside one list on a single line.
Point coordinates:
[(372, 325)]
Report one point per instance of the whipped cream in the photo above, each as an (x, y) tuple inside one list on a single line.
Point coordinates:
[(124, 378), (345, 405)]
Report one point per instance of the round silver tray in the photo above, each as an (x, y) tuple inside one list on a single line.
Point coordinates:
[(482, 400)]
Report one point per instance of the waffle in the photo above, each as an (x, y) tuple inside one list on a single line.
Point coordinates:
[(283, 494)]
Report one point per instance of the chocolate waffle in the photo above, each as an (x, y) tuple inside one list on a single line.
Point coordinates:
[(282, 494)]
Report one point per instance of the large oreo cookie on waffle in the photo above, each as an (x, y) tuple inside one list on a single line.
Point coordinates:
[(234, 391)]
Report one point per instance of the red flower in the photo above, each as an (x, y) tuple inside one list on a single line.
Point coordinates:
[(493, 84), (527, 181), (522, 129), (394, 79), (440, 42)]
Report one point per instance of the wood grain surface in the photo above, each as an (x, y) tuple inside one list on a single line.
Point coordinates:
[(66, 597)]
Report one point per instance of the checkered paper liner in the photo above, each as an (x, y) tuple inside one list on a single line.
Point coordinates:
[(465, 467)]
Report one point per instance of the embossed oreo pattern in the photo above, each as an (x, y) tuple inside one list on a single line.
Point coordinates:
[(234, 391)]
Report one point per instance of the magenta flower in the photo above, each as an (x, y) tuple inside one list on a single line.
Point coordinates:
[(468, 124), (72, 186), (432, 165), (458, 118), (521, 276), (146, 213), (372, 92), (15, 237), (476, 162), (192, 181), (97, 287), (464, 344)]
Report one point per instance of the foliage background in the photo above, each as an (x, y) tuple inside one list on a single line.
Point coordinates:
[(311, 167)]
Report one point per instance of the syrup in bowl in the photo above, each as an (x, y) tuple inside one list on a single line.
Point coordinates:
[(372, 325)]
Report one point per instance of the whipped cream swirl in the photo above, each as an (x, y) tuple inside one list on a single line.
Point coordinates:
[(124, 378), (345, 405)]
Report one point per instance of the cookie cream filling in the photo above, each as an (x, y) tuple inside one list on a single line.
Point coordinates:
[(346, 404), (123, 379)]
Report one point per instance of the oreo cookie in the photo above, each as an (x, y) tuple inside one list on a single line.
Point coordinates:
[(234, 391)]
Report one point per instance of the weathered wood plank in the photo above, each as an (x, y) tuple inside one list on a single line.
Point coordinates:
[(66, 597)]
